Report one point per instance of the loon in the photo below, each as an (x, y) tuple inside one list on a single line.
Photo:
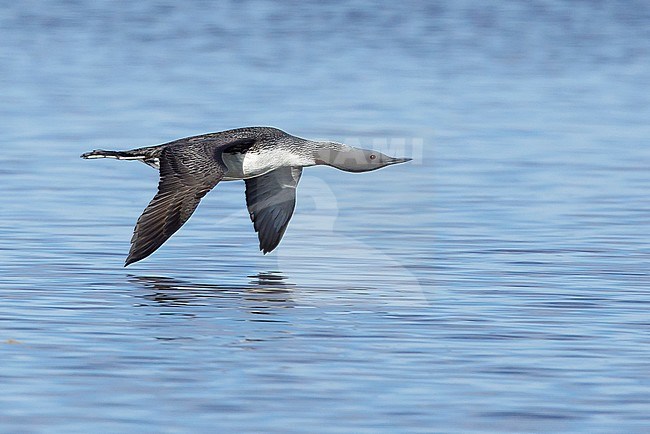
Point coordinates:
[(269, 161)]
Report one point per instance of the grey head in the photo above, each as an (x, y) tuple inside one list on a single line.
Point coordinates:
[(352, 159)]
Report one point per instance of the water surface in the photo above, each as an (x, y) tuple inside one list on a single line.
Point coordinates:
[(499, 282)]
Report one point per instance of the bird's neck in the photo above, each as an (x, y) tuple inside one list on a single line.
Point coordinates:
[(327, 153)]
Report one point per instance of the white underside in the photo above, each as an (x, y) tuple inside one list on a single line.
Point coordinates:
[(252, 164)]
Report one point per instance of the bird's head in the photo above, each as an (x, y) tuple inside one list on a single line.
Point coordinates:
[(352, 159)]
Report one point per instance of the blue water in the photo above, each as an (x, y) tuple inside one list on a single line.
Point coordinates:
[(497, 283)]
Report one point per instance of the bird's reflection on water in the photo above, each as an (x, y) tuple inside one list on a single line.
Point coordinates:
[(265, 289)]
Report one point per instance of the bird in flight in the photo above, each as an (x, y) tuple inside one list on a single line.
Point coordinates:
[(269, 161)]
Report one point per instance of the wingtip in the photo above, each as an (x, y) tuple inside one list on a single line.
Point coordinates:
[(268, 249)]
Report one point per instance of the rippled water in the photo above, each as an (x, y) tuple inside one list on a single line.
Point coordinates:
[(499, 282)]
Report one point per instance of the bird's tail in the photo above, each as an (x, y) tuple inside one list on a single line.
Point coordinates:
[(120, 155), (149, 156)]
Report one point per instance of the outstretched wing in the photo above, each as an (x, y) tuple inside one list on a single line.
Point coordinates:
[(187, 173), (271, 199)]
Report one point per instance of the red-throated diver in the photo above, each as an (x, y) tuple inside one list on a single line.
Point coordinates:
[(269, 160)]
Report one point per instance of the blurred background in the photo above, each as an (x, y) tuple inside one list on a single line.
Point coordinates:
[(498, 282)]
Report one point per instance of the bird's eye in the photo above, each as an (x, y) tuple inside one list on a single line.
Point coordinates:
[(373, 156)]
